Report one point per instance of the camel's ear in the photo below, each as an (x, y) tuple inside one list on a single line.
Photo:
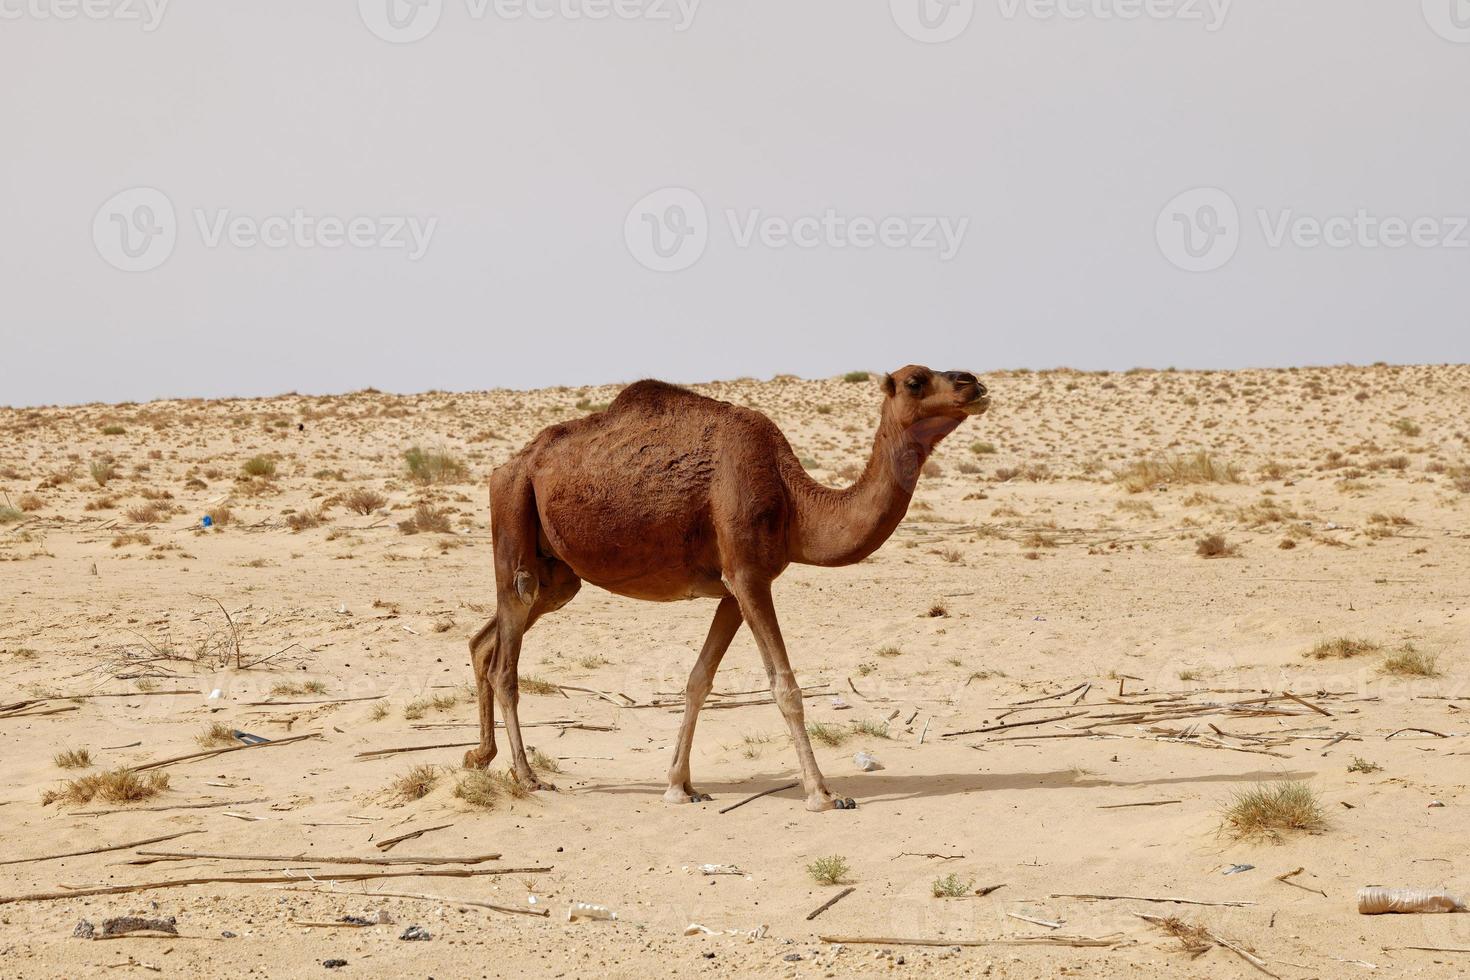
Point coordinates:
[(889, 385)]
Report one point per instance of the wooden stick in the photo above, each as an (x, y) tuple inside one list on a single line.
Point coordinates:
[(541, 913), (1307, 704), (289, 858), (1244, 954), (214, 752), (1036, 941), (1146, 898), (273, 704), (830, 902), (1285, 879), (387, 845), (375, 753), (1426, 731), (752, 799), (1053, 697), (102, 850), (1121, 806), (264, 879), (158, 809), (1014, 724)]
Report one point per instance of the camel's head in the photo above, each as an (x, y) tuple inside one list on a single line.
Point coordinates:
[(916, 393)]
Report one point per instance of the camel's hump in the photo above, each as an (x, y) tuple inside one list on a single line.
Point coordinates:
[(656, 396)]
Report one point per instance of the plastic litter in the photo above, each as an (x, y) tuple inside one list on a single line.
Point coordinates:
[(585, 910), (867, 762), (1378, 901)]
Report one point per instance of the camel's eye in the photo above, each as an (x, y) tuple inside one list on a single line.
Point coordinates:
[(914, 385)]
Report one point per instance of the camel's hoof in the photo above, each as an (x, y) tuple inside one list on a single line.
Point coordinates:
[(478, 758), (845, 803), (701, 798), (675, 794)]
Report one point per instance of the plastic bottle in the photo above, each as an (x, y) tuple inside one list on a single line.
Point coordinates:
[(583, 910), (1377, 901)]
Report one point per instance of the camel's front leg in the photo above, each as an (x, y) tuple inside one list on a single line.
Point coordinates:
[(760, 613), (721, 631)]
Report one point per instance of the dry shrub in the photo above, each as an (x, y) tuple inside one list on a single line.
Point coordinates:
[(427, 519), (541, 762), (30, 502), (1215, 546), (259, 466), (150, 513), (123, 540), (1267, 810), (1194, 939), (434, 465), (364, 502), (302, 520), (220, 516), (115, 786), (1197, 467)]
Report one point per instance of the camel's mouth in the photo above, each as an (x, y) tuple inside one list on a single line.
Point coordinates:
[(977, 407)]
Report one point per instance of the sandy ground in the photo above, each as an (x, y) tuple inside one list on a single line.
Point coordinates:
[(1042, 572)]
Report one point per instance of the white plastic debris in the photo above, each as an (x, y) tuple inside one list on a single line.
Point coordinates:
[(1377, 901), (585, 910), (839, 705), (695, 929), (866, 762)]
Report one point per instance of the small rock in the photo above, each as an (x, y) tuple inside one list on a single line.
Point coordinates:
[(791, 957), (84, 930), (415, 934), (334, 964), (124, 924), (228, 934)]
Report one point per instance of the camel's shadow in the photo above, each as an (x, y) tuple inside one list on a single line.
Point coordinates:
[(897, 787)]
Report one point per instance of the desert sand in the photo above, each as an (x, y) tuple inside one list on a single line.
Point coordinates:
[(1062, 543)]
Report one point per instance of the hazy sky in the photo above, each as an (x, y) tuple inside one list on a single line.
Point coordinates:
[(245, 197)]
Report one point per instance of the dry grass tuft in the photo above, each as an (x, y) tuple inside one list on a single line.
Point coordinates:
[(1410, 662), (1194, 939), (535, 685), (216, 736), (72, 759), (115, 786), (485, 788), (1341, 648), (261, 466), (826, 733), (417, 783), (541, 762), (1266, 810), (1197, 467)]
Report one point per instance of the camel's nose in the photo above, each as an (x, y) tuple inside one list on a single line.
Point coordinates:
[(966, 378)]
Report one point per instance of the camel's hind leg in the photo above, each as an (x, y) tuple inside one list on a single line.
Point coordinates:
[(482, 658), (721, 631)]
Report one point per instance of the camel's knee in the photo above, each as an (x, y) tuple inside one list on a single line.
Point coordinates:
[(787, 694)]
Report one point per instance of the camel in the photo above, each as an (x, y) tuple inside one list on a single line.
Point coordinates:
[(666, 495)]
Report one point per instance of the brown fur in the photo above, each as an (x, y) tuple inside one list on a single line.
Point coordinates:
[(670, 495)]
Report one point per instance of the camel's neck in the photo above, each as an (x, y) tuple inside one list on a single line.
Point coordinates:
[(841, 527)]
